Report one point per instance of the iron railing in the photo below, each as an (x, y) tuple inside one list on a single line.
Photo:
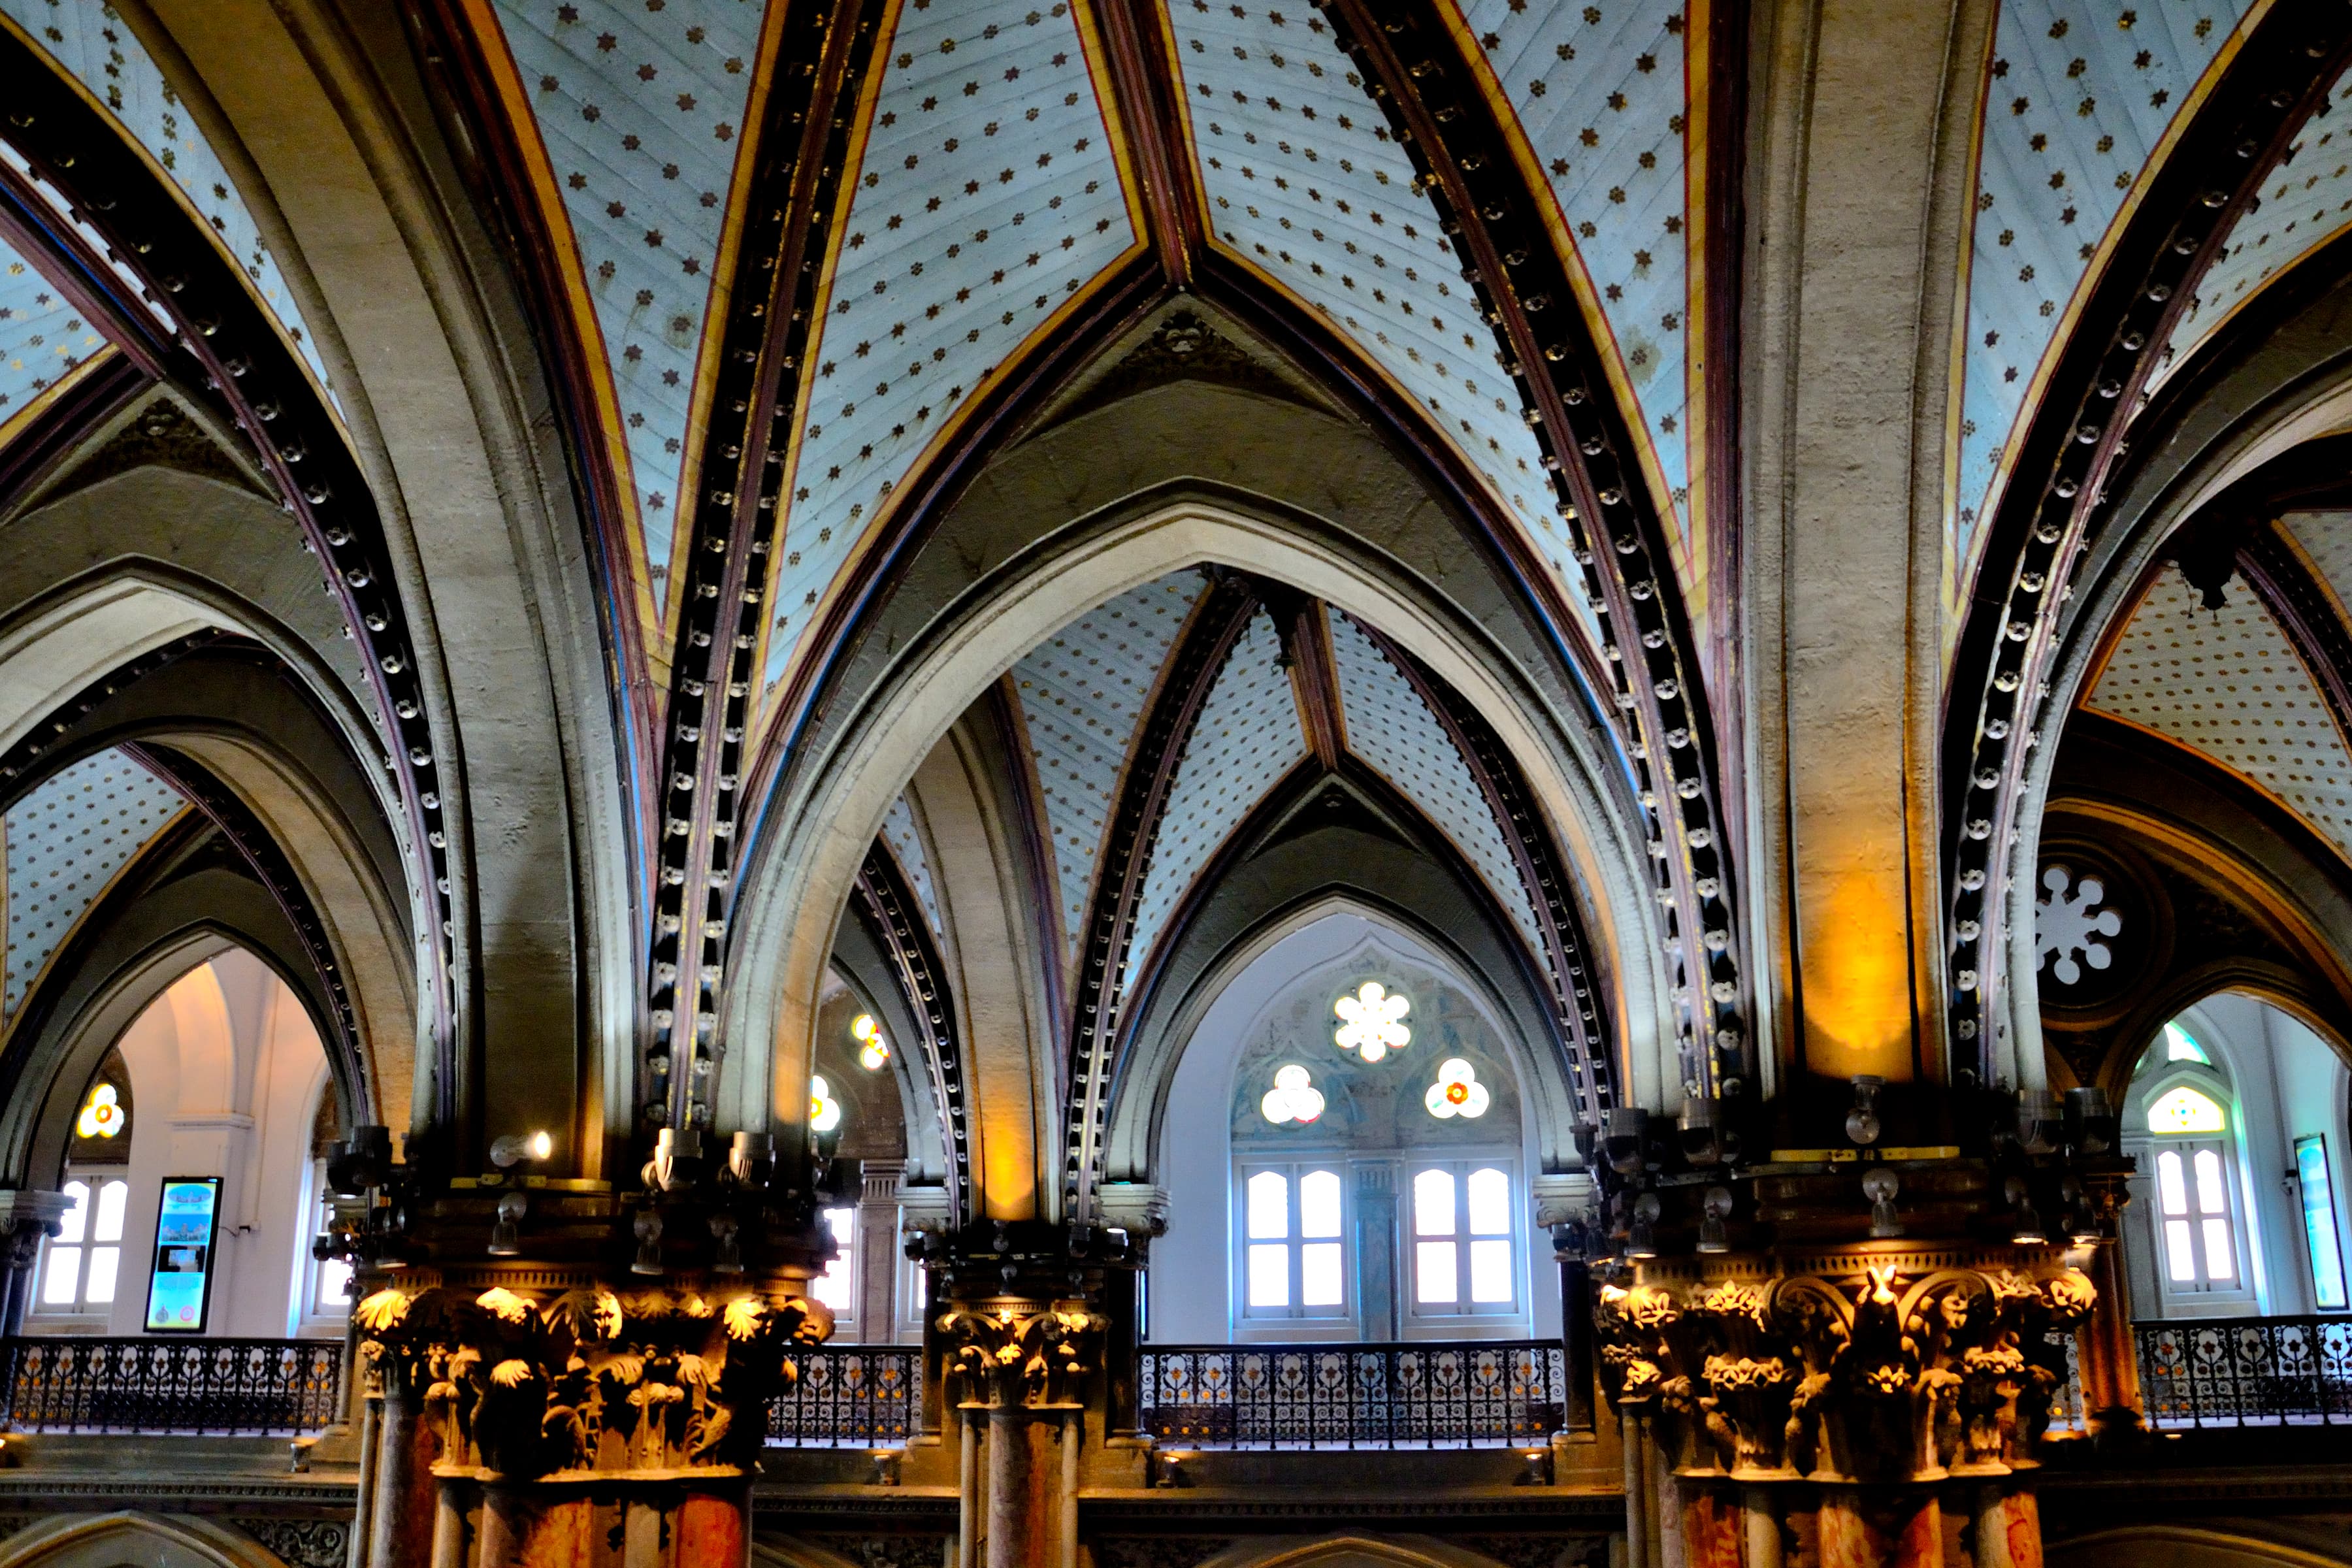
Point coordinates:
[(2245, 1371), (220, 1388), (1480, 1395), (850, 1396)]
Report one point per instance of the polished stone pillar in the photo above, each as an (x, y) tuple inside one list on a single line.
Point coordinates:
[(26, 1217), (2105, 1347), (1376, 1260)]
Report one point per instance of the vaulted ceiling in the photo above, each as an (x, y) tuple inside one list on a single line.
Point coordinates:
[(1509, 239)]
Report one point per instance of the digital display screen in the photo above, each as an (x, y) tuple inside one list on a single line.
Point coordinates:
[(180, 1292), (2319, 1219)]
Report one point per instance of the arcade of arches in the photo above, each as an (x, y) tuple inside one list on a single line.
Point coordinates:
[(1157, 782)]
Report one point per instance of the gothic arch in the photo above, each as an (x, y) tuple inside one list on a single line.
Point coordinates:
[(154, 1541), (830, 809)]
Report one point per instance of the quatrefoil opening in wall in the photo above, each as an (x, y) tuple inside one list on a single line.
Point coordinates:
[(2072, 924)]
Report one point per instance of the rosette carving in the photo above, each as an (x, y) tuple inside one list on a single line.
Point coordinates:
[(526, 1383), (1880, 1376)]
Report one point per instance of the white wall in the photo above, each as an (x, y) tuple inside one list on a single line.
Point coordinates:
[(225, 1074), (1191, 1266)]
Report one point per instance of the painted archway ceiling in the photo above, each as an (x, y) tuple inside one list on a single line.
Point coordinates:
[(97, 48), (1083, 696), (2082, 100), (2305, 202), (2231, 685), (43, 341), (991, 186), (68, 840)]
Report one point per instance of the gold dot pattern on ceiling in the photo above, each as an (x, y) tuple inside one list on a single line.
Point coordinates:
[(1083, 692), (90, 43), (2080, 95), (1600, 93), (2326, 537), (2233, 687), (1394, 729), (2305, 202), (987, 197), (1246, 738), (68, 838), (42, 337), (640, 104), (906, 843), (1304, 182)]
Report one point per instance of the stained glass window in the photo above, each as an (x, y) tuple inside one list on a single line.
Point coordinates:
[(2185, 1110)]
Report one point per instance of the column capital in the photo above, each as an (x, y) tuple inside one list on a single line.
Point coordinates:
[(1878, 1363)]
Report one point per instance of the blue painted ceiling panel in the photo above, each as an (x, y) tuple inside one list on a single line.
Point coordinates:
[(91, 44), (1602, 98), (2082, 96), (1303, 181), (43, 339), (987, 197), (2305, 203), (1246, 738), (640, 105), (67, 841), (1083, 693), (1389, 726)]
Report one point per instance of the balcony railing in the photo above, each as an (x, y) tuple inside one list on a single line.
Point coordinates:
[(2246, 1372), (221, 1388), (1488, 1394), (850, 1396)]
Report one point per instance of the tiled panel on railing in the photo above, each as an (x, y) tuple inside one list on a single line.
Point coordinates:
[(219, 1388), (850, 1396), (1488, 1393), (2246, 1372)]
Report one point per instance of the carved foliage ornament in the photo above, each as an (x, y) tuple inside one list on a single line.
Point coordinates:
[(1001, 1357), (1875, 1378), (530, 1383)]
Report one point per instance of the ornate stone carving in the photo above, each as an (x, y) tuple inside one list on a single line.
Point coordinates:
[(1896, 1372), (302, 1542), (530, 1383), (1001, 1354)]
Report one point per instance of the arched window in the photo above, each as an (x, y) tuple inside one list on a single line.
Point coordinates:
[(82, 1267), (1377, 1190), (2183, 1130)]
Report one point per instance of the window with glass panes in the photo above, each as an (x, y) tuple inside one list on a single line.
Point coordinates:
[(1294, 1262), (1465, 1250), (837, 1285), (2193, 1212), (84, 1260)]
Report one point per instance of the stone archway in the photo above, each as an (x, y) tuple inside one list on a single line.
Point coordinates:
[(149, 1541)]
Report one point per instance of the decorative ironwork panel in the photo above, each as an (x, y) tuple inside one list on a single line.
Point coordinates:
[(850, 1396), (219, 1388), (2246, 1372), (1469, 1394)]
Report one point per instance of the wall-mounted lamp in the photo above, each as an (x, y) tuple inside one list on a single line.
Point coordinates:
[(506, 1233), (516, 1147)]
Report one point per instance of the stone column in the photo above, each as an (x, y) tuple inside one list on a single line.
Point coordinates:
[(1878, 1398), (1017, 1349), (2105, 1348), (877, 1252), (573, 1376), (26, 1217)]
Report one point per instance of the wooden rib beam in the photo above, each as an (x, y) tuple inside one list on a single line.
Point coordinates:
[(882, 900), (2051, 507), (1215, 626), (1569, 975), (799, 181), (232, 358), (1413, 66)]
